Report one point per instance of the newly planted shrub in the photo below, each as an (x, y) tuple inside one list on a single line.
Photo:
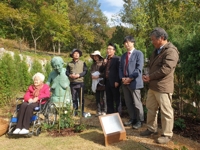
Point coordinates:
[(179, 123)]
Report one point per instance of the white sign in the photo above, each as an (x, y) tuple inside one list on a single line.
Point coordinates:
[(111, 124)]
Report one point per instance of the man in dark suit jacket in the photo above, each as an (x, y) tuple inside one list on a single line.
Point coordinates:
[(110, 68), (130, 72)]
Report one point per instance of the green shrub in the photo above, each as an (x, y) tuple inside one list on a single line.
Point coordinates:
[(36, 67), (179, 123), (87, 79), (48, 69), (65, 117), (79, 128), (8, 80), (22, 75)]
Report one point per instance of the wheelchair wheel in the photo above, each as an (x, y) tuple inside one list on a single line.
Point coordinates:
[(37, 131), (13, 123), (51, 114), (11, 127)]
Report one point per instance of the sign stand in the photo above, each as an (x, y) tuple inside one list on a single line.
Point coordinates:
[(113, 128)]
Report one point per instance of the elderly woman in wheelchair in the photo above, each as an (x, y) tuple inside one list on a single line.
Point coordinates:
[(32, 97)]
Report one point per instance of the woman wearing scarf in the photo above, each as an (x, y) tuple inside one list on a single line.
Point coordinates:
[(35, 92)]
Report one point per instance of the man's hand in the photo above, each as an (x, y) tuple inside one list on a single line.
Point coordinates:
[(77, 76), (116, 84), (126, 80), (145, 78), (74, 76), (105, 61)]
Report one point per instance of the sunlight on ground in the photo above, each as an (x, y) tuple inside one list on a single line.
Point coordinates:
[(93, 138)]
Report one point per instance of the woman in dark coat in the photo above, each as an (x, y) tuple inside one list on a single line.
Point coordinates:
[(98, 83)]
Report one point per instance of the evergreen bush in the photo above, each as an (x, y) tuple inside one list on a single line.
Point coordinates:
[(36, 67), (8, 80), (22, 74), (87, 79), (48, 69)]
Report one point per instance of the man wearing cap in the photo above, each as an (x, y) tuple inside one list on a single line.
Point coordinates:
[(76, 70), (110, 68), (130, 73)]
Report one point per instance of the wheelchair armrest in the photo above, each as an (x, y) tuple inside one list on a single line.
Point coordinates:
[(19, 101), (19, 98), (44, 99)]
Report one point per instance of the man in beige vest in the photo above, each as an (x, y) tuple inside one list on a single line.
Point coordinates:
[(161, 85), (76, 70)]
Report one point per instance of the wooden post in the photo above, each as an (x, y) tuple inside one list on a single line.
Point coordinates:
[(81, 113)]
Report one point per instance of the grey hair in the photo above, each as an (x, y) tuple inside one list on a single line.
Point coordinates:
[(159, 32), (56, 59), (40, 75)]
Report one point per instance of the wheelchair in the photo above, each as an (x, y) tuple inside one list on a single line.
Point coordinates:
[(44, 113)]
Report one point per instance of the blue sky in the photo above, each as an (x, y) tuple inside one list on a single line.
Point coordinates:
[(111, 8)]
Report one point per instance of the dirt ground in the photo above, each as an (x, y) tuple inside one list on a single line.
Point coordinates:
[(133, 136), (178, 141)]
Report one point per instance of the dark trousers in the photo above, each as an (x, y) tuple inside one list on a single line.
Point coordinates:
[(112, 99), (101, 101), (76, 94), (24, 115)]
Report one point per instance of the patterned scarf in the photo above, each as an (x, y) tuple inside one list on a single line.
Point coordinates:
[(37, 89)]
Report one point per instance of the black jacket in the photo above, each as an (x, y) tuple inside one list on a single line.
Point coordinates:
[(113, 75)]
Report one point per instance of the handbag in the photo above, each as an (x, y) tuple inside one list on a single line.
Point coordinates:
[(101, 86)]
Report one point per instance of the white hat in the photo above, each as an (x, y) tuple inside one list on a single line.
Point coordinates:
[(96, 53)]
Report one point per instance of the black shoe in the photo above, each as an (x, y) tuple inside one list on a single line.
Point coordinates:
[(129, 123), (137, 125), (147, 133)]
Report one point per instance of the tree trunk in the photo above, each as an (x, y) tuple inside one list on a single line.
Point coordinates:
[(58, 47), (35, 39), (35, 44), (54, 48)]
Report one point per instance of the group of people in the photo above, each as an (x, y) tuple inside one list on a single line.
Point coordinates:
[(127, 72), (108, 75)]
